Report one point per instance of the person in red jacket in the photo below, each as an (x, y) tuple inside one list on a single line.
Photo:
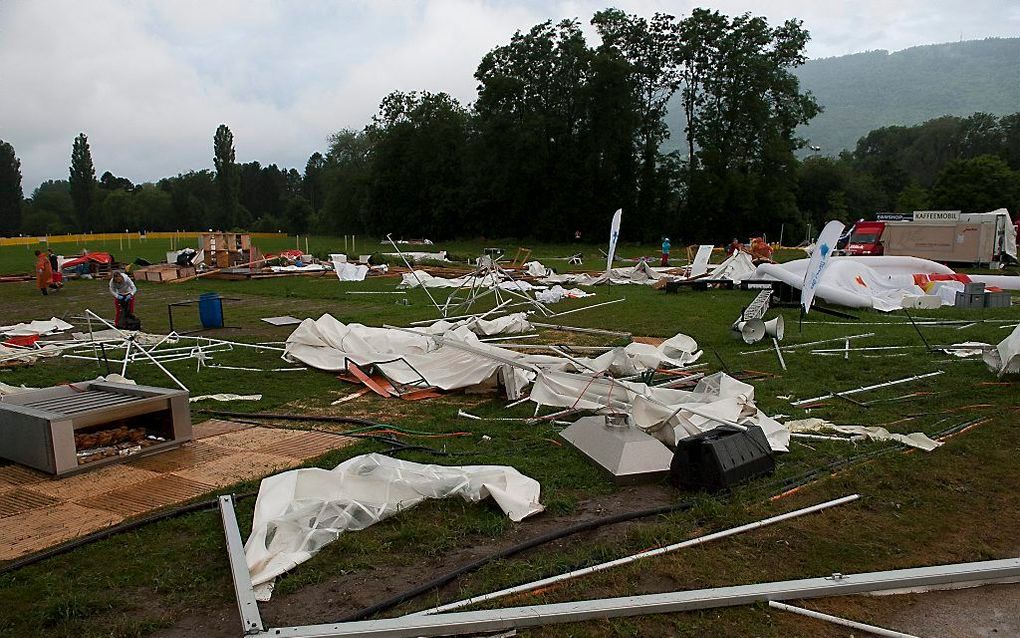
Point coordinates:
[(43, 271)]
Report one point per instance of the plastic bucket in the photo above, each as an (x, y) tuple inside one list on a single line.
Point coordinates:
[(210, 310)]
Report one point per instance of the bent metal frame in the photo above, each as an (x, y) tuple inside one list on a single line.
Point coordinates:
[(458, 623)]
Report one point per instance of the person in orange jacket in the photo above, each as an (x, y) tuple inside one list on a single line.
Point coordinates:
[(43, 271)]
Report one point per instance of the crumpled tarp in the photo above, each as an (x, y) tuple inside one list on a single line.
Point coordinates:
[(1005, 357), (537, 269), (296, 268), (667, 414), (513, 324), (96, 257), (918, 440), (737, 267), (36, 327), (346, 271), (227, 397), (641, 273), (558, 293), (300, 511)]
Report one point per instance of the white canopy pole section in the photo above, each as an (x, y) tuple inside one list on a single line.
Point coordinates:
[(867, 388), (646, 554), (442, 313), (836, 620)]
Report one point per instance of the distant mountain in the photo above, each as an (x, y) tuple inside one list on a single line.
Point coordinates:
[(865, 91)]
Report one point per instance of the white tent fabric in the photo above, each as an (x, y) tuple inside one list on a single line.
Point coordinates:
[(737, 267), (558, 293), (513, 324), (420, 256), (300, 511), (1005, 357), (296, 268), (36, 327), (661, 411), (917, 440), (537, 269), (859, 282), (402, 356), (346, 271), (641, 273), (409, 280)]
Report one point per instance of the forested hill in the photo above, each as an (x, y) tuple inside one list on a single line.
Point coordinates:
[(865, 91)]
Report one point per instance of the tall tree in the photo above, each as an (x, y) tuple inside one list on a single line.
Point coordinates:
[(648, 46), (227, 178), (348, 175), (314, 183), (417, 177), (533, 166), (977, 185), (747, 111), (83, 182), (10, 190)]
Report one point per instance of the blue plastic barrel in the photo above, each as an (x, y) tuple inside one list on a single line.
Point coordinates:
[(210, 310)]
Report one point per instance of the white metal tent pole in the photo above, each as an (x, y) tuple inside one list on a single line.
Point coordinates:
[(779, 353), (867, 388), (415, 275), (646, 554), (604, 303), (810, 343), (871, 629), (144, 351)]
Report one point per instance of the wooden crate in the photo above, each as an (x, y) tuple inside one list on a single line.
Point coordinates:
[(163, 272)]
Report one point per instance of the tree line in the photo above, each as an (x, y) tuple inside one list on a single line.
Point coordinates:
[(561, 134)]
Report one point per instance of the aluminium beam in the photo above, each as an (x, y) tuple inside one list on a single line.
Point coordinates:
[(940, 576), (244, 591)]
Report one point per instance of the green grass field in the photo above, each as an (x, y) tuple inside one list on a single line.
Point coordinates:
[(957, 503)]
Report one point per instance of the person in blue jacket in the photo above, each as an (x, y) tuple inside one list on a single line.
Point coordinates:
[(665, 251)]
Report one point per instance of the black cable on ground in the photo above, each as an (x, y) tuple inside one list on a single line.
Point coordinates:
[(293, 417), (474, 565), (783, 485)]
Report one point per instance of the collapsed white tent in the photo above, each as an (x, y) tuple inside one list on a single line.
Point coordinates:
[(1005, 357), (641, 273), (36, 327), (409, 357), (875, 282), (299, 512), (667, 414), (411, 280)]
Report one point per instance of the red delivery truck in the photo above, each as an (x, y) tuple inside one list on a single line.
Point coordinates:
[(984, 239)]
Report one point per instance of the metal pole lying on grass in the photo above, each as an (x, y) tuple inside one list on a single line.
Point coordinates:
[(810, 343), (130, 338), (630, 559), (871, 629), (867, 388), (604, 303)]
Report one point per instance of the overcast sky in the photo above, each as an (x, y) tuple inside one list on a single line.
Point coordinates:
[(149, 82)]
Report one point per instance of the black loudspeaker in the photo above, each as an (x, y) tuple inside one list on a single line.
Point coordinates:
[(721, 458)]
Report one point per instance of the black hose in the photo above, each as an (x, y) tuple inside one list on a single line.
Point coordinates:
[(293, 417), (783, 485), (548, 537)]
